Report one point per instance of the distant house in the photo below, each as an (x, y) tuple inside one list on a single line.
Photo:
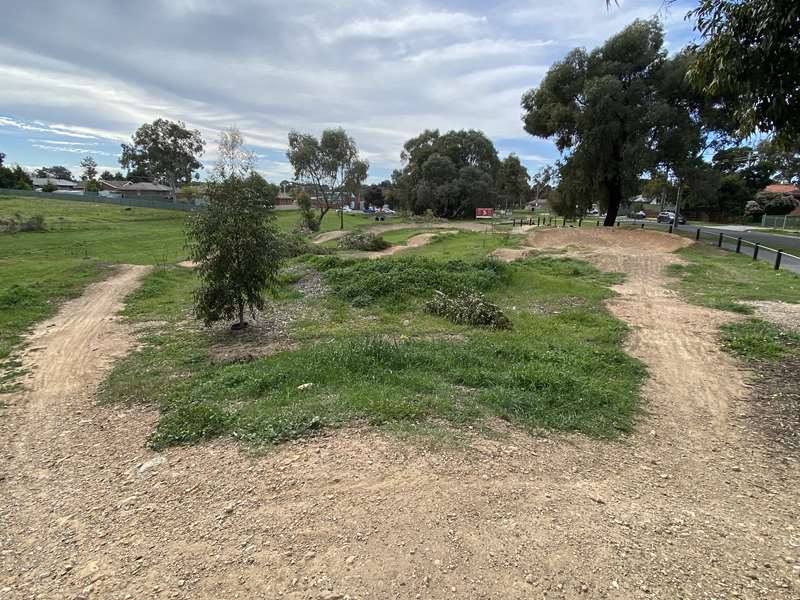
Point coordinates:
[(284, 199), (129, 189), (61, 184)]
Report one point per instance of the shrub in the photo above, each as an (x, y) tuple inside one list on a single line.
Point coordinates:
[(468, 308), (49, 187), (295, 245), (308, 219), (776, 203), (20, 223), (363, 241), (396, 280)]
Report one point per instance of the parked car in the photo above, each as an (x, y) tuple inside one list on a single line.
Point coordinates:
[(669, 217), (640, 215)]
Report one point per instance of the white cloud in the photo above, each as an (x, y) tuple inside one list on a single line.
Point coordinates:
[(398, 27), (476, 49)]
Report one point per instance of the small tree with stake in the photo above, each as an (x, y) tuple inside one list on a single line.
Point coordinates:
[(234, 241)]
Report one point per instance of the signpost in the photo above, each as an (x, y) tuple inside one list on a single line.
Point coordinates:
[(484, 213)]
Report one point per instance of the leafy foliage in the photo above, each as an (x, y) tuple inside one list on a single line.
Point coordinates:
[(54, 172), (775, 203), (512, 181), (330, 164), (165, 151), (233, 241), (468, 308), (308, 220), (448, 174), (363, 240), (752, 54), (15, 178)]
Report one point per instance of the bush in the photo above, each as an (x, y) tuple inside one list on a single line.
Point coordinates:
[(363, 241), (295, 245), (20, 223), (776, 203), (308, 220), (49, 187), (468, 308), (396, 280)]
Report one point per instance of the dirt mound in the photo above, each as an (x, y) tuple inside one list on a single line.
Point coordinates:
[(416, 241), (607, 237), (511, 254), (330, 235)]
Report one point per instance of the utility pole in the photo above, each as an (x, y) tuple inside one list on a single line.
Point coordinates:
[(678, 205)]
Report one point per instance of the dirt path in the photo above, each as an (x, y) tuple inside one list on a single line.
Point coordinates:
[(693, 505), (382, 228)]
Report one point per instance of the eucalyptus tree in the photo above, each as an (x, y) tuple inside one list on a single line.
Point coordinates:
[(330, 165), (233, 239)]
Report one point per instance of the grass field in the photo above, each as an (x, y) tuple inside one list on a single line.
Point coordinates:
[(726, 280), (42, 269)]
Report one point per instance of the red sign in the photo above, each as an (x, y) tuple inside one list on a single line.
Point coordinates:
[(484, 213)]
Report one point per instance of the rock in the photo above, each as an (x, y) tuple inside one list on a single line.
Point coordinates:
[(736, 469), (305, 386), (331, 596), (350, 560), (530, 579), (151, 464)]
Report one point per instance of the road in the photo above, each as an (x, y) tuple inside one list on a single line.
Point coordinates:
[(773, 240)]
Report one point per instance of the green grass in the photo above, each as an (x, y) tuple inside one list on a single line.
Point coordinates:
[(42, 269), (725, 280), (466, 245), (759, 340), (560, 367)]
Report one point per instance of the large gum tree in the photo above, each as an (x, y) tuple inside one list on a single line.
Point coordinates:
[(598, 108)]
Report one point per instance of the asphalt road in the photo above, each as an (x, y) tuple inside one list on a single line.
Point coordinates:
[(773, 240)]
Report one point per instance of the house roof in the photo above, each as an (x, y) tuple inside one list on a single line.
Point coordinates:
[(146, 186), (782, 188), (41, 181)]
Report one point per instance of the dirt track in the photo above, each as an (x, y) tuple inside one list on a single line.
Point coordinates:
[(693, 505)]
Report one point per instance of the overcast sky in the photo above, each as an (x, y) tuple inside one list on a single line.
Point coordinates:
[(79, 77)]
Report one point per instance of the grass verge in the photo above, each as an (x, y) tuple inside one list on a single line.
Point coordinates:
[(725, 280), (759, 340)]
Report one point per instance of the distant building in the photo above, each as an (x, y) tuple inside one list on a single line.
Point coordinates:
[(129, 189), (61, 184)]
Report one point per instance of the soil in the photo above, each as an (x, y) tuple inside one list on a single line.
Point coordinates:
[(781, 314), (415, 241), (384, 227), (697, 503)]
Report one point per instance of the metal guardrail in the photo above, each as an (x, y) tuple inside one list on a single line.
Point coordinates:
[(139, 201)]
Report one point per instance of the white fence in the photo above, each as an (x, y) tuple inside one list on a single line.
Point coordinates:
[(781, 221)]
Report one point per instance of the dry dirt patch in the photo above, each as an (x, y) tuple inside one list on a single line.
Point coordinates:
[(691, 506)]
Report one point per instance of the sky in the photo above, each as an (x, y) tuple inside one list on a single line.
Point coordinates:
[(78, 78)]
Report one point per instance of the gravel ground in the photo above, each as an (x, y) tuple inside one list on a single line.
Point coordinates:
[(699, 502)]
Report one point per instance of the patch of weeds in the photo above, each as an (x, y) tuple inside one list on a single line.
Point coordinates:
[(363, 240), (394, 281), (468, 308), (759, 340)]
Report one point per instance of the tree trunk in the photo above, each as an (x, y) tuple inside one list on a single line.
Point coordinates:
[(614, 200), (241, 314)]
